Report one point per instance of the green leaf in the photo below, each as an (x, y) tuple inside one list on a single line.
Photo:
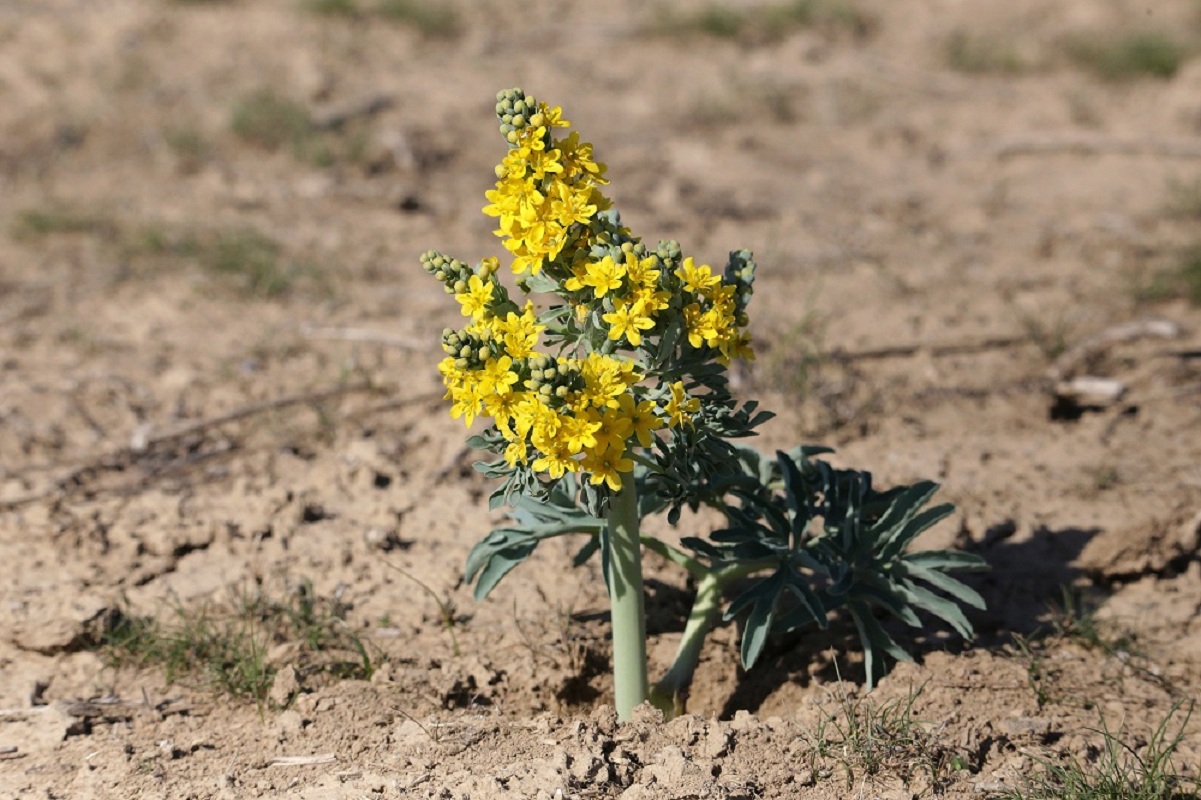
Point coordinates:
[(758, 622), (940, 607), (499, 565), (878, 590), (797, 493), (541, 283), (957, 589), (876, 642), (898, 539), (809, 600), (945, 560), (667, 342)]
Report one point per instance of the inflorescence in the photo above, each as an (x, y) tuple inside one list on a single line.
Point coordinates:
[(576, 387)]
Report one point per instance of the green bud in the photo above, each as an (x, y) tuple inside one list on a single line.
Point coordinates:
[(460, 286), (561, 392)]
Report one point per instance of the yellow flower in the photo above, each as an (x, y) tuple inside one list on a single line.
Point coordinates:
[(502, 408), (628, 321), (642, 273), (556, 462), (603, 276), (571, 204), (496, 377), (519, 333), (643, 419), (615, 428), (517, 453), (477, 297), (605, 379), (579, 432), (681, 407), (607, 466), (697, 280), (467, 401)]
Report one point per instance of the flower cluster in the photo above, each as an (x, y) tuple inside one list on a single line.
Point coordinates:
[(577, 387)]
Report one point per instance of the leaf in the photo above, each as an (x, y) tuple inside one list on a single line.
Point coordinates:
[(876, 642), (541, 283), (878, 590), (797, 493), (940, 607), (499, 565), (957, 589), (667, 342), (808, 599), (945, 560), (758, 622), (698, 545), (899, 539)]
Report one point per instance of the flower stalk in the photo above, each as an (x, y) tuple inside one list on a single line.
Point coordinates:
[(624, 579)]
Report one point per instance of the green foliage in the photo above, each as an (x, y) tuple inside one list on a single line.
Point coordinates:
[(331, 8), (1182, 281), (1121, 771), (242, 257), (866, 740), (38, 223), (766, 23), (1184, 200), (270, 120), (1133, 55), (224, 647), (974, 54), (429, 18), (818, 540)]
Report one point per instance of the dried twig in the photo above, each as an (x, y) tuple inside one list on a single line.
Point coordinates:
[(123, 457), (254, 409), (361, 335), (1073, 357), (1091, 144), (337, 116), (934, 349), (302, 761)]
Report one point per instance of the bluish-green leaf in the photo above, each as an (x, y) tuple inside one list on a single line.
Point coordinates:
[(758, 622), (946, 560), (876, 642), (899, 538), (940, 607), (499, 565), (939, 580)]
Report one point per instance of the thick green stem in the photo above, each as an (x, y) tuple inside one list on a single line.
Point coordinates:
[(669, 693), (630, 684)]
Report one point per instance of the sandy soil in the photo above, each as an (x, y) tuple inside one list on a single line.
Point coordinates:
[(217, 382)]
